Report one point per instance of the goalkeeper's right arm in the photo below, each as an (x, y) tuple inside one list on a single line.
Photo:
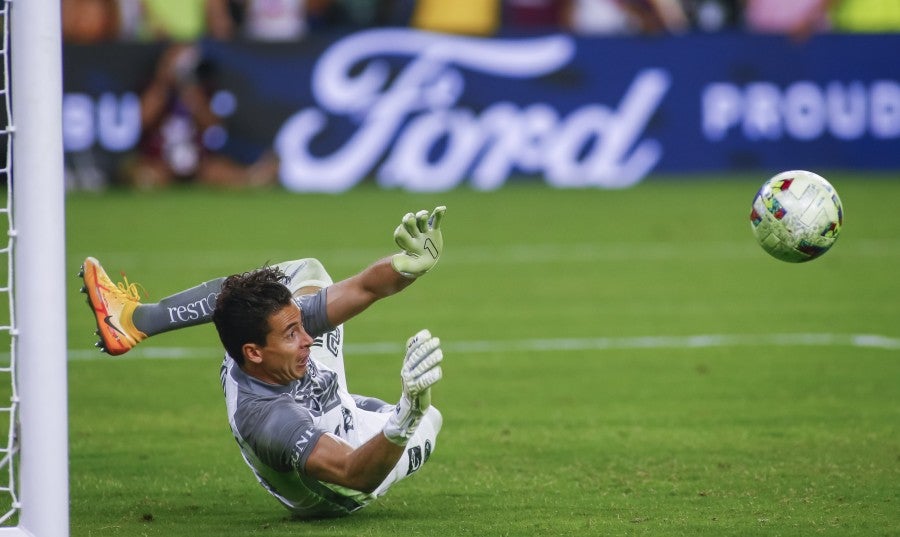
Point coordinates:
[(335, 461)]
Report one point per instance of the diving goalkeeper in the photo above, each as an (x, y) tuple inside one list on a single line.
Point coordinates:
[(314, 446)]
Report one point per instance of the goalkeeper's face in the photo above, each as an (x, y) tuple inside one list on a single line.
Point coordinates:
[(285, 355)]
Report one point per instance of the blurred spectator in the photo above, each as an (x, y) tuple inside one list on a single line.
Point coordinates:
[(660, 16), (797, 18), (611, 17), (599, 17), (535, 15), (90, 21), (865, 15), (359, 14), (469, 17), (270, 20), (714, 15), (84, 22), (802, 18), (281, 20), (180, 132), (176, 20)]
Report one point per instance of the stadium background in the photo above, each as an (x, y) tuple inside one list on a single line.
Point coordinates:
[(621, 361), (571, 111)]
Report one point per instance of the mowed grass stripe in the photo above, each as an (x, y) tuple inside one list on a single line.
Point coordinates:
[(531, 253), (875, 341)]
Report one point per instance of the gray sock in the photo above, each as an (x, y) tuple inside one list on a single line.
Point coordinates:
[(187, 308)]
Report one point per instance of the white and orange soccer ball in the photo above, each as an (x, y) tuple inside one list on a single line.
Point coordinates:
[(796, 216)]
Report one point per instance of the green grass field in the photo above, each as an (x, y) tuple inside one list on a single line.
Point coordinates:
[(616, 363)]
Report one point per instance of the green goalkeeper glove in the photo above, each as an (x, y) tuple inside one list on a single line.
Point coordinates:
[(421, 241), (421, 370)]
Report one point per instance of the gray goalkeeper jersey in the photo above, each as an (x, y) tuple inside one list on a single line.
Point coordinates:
[(278, 426)]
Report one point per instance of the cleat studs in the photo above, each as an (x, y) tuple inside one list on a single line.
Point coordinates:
[(84, 289), (81, 272)]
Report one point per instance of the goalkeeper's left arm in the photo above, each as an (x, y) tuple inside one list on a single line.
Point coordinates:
[(421, 240)]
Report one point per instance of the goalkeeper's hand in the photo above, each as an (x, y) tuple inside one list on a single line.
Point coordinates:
[(421, 370), (421, 241)]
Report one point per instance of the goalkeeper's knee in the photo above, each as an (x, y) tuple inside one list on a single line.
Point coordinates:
[(434, 418), (305, 274)]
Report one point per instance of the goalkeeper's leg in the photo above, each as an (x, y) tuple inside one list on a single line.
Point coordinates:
[(306, 276), (418, 450), (123, 320)]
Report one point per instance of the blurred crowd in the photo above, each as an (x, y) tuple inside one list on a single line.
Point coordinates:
[(86, 21), (179, 131)]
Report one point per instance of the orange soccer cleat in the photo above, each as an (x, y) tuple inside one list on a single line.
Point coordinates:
[(113, 305)]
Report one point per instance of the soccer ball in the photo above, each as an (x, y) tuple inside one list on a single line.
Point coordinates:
[(796, 216)]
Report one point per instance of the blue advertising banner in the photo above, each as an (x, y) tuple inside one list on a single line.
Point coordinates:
[(430, 112)]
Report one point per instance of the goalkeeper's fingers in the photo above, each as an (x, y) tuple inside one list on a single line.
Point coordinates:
[(422, 221), (421, 365), (421, 383), (409, 231), (423, 359), (403, 239), (417, 235), (422, 349), (427, 222), (436, 216), (410, 223), (420, 337)]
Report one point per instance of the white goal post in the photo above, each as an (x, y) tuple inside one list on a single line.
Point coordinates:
[(38, 268)]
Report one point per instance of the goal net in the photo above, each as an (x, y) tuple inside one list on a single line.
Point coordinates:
[(9, 504)]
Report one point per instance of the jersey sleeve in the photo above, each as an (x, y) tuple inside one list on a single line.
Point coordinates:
[(280, 432), (315, 317)]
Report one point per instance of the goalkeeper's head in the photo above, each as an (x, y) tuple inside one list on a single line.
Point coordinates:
[(244, 306)]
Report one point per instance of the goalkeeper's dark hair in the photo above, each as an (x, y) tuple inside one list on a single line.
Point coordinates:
[(244, 306)]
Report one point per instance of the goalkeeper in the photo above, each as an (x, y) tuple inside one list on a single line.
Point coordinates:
[(311, 444)]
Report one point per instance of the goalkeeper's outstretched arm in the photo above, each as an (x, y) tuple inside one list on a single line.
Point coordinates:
[(421, 241)]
